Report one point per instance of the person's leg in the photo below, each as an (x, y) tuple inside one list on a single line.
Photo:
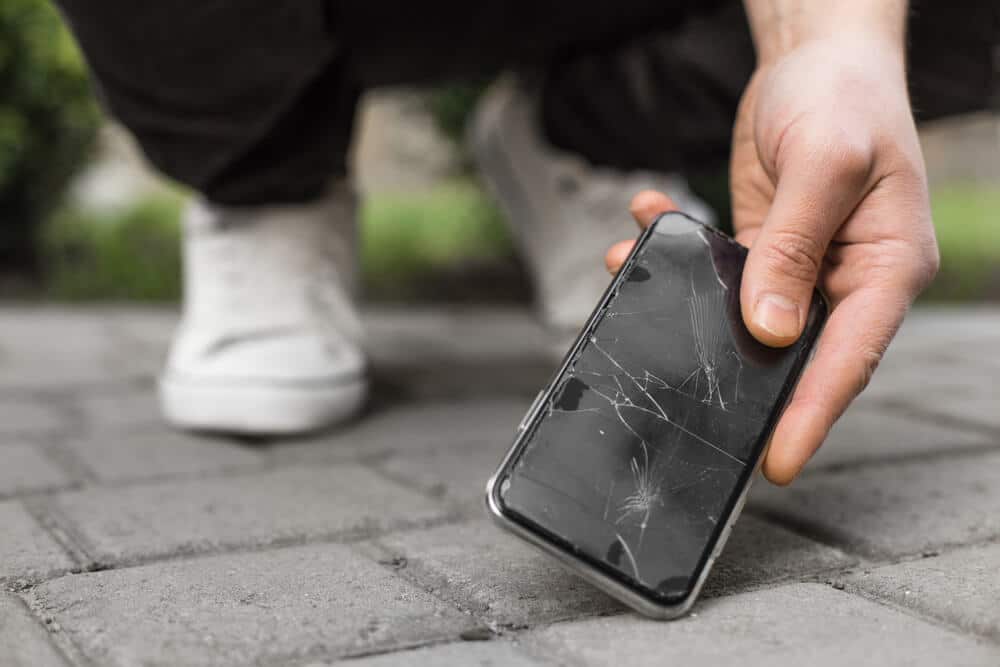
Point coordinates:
[(249, 104), (252, 107), (244, 102), (668, 100), (954, 57), (605, 119)]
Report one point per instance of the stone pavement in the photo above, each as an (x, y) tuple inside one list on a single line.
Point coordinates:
[(124, 544)]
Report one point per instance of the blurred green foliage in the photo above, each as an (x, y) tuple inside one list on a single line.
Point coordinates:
[(48, 122), (967, 220), (450, 106), (132, 254), (406, 238)]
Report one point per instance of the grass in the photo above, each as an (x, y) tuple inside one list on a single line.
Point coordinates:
[(134, 254), (967, 220), (406, 238), (127, 255), (410, 241)]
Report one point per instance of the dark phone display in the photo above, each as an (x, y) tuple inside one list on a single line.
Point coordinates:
[(647, 439)]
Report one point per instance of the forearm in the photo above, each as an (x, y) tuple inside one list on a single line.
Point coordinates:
[(779, 26)]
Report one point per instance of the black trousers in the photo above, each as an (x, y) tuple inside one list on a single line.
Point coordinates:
[(253, 101)]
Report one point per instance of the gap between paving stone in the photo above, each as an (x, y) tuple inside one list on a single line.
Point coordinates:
[(930, 505), (793, 624), (30, 552), (282, 606), (104, 549), (946, 452), (959, 588), (28, 469), (926, 411), (483, 569), (25, 641), (493, 653)]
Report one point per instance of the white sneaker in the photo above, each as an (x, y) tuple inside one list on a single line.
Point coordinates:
[(564, 212), (269, 339)]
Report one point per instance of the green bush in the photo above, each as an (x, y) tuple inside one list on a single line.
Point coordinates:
[(967, 220), (48, 122), (409, 237), (131, 255)]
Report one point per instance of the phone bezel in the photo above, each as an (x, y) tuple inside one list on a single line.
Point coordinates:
[(596, 575)]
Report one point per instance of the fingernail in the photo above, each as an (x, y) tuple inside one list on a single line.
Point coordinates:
[(778, 315)]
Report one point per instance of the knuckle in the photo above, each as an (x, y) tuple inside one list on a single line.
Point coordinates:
[(852, 159), (931, 264), (924, 263), (871, 357), (869, 354), (794, 254), (841, 152)]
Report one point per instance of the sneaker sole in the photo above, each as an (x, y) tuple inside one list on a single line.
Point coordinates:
[(258, 409)]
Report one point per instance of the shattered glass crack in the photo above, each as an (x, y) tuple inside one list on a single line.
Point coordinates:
[(642, 445)]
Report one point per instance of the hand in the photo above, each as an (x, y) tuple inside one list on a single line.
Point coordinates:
[(829, 189)]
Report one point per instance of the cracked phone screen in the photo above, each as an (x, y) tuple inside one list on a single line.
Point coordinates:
[(639, 452)]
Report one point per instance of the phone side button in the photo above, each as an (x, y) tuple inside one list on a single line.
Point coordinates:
[(531, 411)]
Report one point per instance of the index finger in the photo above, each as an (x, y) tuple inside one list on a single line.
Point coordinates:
[(645, 207)]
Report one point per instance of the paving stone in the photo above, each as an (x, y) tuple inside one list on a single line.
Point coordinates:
[(759, 552), (980, 408), (864, 435), (126, 408), (26, 469), (146, 332), (28, 417), (273, 607), (414, 428), (27, 550), (801, 624), (960, 587), (458, 474), (985, 351), (118, 455), (489, 572), (494, 653), (482, 568), (460, 352), (894, 509), (23, 642), (127, 524), (931, 374), (55, 348), (466, 334), (940, 326), (940, 351)]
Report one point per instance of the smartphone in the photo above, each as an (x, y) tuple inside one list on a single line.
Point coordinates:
[(633, 464)]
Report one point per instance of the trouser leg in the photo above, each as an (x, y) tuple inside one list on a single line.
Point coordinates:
[(954, 57), (247, 102), (667, 101), (254, 102), (664, 101)]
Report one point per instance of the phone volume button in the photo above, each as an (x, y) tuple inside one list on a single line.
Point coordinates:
[(531, 411)]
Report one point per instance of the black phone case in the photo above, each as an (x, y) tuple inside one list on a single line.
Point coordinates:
[(633, 463)]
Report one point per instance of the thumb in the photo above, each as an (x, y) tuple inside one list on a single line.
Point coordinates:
[(817, 187)]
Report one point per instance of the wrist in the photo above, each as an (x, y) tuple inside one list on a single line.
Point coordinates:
[(782, 26)]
